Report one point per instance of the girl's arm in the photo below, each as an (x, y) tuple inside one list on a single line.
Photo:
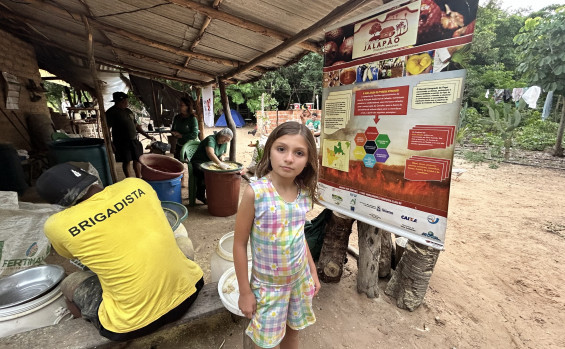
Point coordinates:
[(313, 270), (243, 222)]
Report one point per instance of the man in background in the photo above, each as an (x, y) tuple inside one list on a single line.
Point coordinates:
[(125, 126)]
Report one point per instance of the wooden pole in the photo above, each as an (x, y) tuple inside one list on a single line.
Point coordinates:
[(229, 120), (385, 260), (410, 280), (334, 249), (200, 113), (99, 97), (369, 257)]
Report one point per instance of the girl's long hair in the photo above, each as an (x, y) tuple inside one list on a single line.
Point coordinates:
[(308, 178)]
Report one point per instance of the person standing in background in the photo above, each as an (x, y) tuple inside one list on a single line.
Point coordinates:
[(185, 125), (125, 126)]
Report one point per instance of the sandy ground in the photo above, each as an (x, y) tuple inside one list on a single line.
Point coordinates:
[(500, 283)]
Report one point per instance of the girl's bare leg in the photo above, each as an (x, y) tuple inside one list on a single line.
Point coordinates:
[(290, 340)]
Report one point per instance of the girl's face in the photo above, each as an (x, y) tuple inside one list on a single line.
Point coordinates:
[(183, 108), (289, 155)]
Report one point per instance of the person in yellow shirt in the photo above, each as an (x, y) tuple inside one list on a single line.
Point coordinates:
[(139, 279)]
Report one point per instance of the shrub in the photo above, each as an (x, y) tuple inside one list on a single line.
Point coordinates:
[(537, 135)]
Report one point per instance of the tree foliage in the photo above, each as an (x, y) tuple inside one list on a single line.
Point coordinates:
[(543, 58), (542, 53), (296, 83)]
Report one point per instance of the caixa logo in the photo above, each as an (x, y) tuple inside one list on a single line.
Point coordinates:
[(433, 219), (409, 218)]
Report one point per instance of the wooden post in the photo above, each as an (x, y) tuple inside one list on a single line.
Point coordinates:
[(410, 280), (369, 257), (332, 256), (199, 113), (385, 262), (105, 131), (229, 120)]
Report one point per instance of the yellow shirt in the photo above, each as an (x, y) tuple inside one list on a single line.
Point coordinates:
[(123, 236)]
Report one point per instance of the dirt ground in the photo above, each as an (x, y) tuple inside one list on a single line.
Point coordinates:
[(500, 283)]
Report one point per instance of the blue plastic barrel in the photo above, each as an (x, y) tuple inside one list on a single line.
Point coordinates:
[(168, 189), (90, 150)]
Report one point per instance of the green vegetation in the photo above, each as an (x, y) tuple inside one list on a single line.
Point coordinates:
[(536, 56)]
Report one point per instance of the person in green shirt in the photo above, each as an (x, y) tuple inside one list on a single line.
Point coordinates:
[(314, 125), (210, 149), (185, 125)]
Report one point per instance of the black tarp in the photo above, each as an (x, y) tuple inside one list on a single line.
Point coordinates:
[(167, 99)]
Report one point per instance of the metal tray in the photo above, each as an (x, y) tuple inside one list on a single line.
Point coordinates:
[(211, 166), (29, 284)]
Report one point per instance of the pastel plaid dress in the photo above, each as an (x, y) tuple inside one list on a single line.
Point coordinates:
[(281, 279)]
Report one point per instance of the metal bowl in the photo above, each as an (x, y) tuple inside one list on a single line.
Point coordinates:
[(172, 217), (180, 209), (29, 284)]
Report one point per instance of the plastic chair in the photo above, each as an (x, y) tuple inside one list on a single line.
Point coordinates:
[(59, 135), (186, 153)]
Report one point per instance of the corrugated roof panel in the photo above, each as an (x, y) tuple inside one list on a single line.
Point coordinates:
[(258, 42), (289, 16), (213, 68), (147, 24), (170, 11)]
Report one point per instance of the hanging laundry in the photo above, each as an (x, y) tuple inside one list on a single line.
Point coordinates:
[(498, 95), (547, 105), (486, 94), (507, 95), (531, 96), (517, 94)]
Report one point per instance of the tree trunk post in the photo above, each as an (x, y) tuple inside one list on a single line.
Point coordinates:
[(369, 259), (559, 142), (410, 280), (332, 256), (385, 262), (229, 119)]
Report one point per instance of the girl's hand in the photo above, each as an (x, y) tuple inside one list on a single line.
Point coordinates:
[(247, 304), (317, 284)]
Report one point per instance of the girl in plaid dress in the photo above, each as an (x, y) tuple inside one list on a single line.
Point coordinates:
[(272, 213)]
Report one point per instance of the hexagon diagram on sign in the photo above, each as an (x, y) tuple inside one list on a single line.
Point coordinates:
[(381, 155), (371, 133), (369, 161), (359, 153), (360, 139), (370, 147), (382, 141)]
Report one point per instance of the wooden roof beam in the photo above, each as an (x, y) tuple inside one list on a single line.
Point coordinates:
[(243, 23), (330, 18)]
